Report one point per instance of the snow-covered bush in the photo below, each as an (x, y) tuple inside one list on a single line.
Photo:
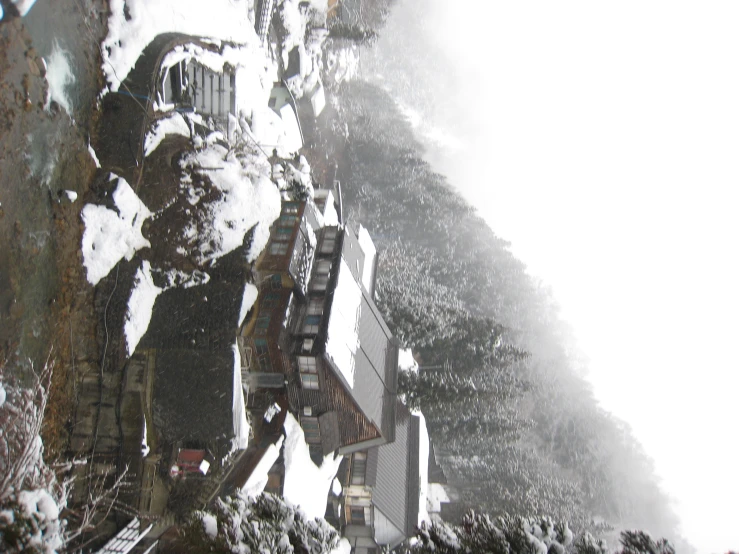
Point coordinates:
[(266, 523), (30, 495)]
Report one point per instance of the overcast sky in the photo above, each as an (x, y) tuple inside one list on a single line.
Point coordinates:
[(602, 140)]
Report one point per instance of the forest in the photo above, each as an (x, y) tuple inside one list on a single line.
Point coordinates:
[(502, 385)]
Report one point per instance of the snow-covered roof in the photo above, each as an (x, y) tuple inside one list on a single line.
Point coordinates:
[(370, 255), (342, 341), (359, 344)]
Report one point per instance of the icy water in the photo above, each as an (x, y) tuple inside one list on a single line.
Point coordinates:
[(43, 152)]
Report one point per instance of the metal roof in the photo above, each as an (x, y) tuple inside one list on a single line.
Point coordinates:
[(374, 357), (393, 473)]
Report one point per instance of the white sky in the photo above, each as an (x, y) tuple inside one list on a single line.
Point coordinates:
[(602, 140)]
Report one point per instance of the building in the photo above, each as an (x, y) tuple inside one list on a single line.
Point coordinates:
[(382, 490), (315, 324)]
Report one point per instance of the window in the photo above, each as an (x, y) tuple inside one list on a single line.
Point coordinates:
[(315, 306), (262, 325), (319, 282), (265, 364), (290, 208), (310, 324), (307, 345), (283, 233), (269, 302), (278, 248), (359, 468), (323, 267), (261, 345), (329, 240), (288, 220), (307, 364), (357, 515), (309, 381), (275, 282), (311, 429)]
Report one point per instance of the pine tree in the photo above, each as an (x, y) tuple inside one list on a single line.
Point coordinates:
[(480, 533)]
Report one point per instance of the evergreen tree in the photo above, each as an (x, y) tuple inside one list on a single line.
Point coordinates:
[(424, 388), (479, 533), (640, 542), (355, 33)]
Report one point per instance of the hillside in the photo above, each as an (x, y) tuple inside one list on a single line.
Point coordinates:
[(515, 423)]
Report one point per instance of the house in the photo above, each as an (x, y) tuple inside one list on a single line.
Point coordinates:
[(382, 489), (316, 325), (190, 83)]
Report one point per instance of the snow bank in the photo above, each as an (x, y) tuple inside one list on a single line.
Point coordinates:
[(344, 547), (342, 341), (133, 24), (241, 425), (247, 301), (59, 76), (256, 482), (406, 362), (435, 497), (172, 125), (93, 155), (306, 485), (144, 441), (110, 236), (140, 306), (248, 200), (423, 470), (336, 487)]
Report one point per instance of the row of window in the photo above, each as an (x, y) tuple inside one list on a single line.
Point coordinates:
[(328, 244), (311, 429), (280, 242), (308, 368), (359, 468), (263, 359)]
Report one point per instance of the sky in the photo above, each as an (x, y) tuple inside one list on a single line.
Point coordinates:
[(602, 140)]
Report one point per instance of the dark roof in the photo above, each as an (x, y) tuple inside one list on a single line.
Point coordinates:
[(393, 473), (193, 394)]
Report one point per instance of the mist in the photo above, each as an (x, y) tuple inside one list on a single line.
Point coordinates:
[(600, 141)]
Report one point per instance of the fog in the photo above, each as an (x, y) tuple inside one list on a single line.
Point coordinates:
[(601, 141)]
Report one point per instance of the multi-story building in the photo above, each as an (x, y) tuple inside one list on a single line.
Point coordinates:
[(316, 330), (382, 490)]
